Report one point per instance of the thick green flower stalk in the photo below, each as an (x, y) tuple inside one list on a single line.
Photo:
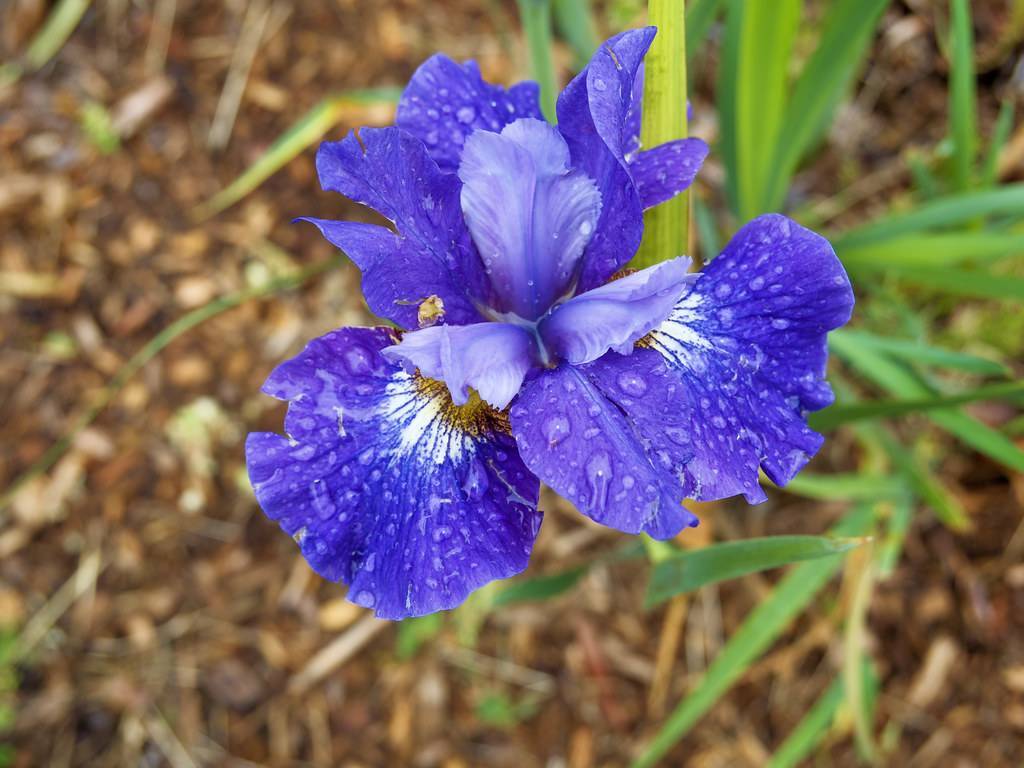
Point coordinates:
[(666, 226)]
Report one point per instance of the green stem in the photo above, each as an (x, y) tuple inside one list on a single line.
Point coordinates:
[(536, 19), (666, 227)]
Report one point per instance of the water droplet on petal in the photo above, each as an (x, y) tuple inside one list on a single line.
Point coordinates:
[(632, 383), (556, 429), (599, 84), (466, 115), (365, 599), (599, 473)]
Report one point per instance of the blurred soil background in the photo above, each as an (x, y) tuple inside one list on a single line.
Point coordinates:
[(163, 621)]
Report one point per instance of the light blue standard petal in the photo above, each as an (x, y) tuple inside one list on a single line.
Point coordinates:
[(724, 385), (529, 215), (615, 315), (581, 445), (492, 358), (663, 172), (445, 102), (386, 485), (430, 254)]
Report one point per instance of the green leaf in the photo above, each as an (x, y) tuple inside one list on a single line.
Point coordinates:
[(538, 588), (848, 487), (901, 382), (415, 632), (728, 76), (309, 129), (1000, 136), (897, 524), (947, 212), (948, 249), (690, 570), (956, 282), (535, 16), (916, 351), (574, 20), (846, 33), (811, 730), (829, 419), (754, 636), (767, 33), (699, 17), (963, 116)]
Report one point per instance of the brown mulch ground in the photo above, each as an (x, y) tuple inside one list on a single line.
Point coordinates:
[(178, 627)]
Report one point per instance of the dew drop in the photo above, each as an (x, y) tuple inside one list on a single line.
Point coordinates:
[(599, 84), (365, 599), (632, 384), (599, 473), (556, 429), (465, 115)]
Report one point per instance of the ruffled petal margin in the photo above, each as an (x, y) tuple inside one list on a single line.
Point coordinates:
[(446, 101), (386, 485)]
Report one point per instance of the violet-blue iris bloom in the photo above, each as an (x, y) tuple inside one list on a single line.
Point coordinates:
[(412, 462)]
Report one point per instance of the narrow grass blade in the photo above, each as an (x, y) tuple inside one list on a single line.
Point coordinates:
[(944, 213), (963, 117), (767, 33), (707, 230), (903, 383), (728, 76), (812, 729), (150, 350), (898, 521), (666, 227), (690, 570), (574, 20), (58, 28), (846, 33), (925, 354), (947, 249), (846, 487), (309, 129), (760, 629), (862, 574), (956, 282), (539, 588), (1000, 136), (829, 419), (535, 16), (414, 633), (699, 17)]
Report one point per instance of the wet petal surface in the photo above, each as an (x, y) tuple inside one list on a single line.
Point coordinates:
[(724, 385), (593, 115), (432, 254), (663, 172), (580, 443), (615, 315), (446, 101), (386, 485), (492, 358), (530, 215)]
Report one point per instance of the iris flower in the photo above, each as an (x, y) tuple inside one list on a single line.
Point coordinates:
[(413, 458)]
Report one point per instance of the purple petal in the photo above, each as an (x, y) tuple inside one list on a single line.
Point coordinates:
[(389, 171), (594, 116), (492, 358), (445, 102), (663, 172), (530, 216), (386, 485), (725, 384), (617, 314), (579, 443), (399, 275)]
